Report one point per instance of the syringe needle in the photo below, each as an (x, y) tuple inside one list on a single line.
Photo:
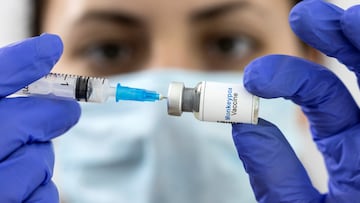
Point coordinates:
[(136, 94), (161, 97)]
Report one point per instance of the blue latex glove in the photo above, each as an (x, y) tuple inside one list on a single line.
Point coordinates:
[(275, 172), (28, 124), (330, 29)]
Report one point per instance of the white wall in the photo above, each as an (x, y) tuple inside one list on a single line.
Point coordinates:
[(345, 3), (13, 20)]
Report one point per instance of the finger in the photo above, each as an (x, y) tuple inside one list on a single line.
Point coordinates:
[(28, 120), (318, 23), (24, 62), (25, 170), (341, 154), (276, 174), (322, 96), (46, 193), (350, 26)]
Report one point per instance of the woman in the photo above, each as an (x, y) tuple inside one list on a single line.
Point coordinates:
[(132, 152)]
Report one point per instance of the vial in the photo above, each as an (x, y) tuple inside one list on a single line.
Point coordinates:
[(214, 102)]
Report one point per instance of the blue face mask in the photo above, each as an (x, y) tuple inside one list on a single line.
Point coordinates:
[(134, 152)]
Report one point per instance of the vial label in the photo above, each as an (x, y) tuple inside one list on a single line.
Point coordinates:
[(227, 103)]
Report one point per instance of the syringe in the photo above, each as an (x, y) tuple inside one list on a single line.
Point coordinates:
[(88, 89)]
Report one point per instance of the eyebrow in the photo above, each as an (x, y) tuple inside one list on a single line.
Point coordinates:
[(114, 17), (218, 11)]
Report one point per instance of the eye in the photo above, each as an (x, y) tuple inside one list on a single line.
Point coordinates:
[(109, 53), (111, 57), (102, 48), (230, 46), (222, 51)]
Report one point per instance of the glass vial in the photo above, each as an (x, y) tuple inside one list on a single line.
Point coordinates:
[(214, 102)]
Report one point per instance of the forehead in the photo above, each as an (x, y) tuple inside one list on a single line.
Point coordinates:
[(150, 8)]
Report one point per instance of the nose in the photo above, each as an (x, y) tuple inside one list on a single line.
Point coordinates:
[(173, 51)]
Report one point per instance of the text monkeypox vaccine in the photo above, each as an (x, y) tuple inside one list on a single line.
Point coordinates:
[(231, 104)]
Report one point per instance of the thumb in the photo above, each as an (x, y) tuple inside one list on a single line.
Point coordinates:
[(276, 174)]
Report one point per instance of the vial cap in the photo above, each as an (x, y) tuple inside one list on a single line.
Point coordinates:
[(175, 97)]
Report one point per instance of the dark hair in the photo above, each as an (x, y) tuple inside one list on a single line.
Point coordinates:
[(38, 7), (37, 14)]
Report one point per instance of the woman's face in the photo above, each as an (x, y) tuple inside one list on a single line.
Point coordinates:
[(106, 37)]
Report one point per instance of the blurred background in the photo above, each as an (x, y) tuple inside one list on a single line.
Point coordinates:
[(14, 17)]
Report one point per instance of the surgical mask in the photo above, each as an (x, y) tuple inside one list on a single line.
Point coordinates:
[(134, 152)]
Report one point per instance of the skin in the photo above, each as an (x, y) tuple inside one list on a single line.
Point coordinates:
[(109, 37)]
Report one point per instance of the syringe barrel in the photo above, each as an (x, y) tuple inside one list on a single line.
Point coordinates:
[(81, 88), (53, 84), (99, 90)]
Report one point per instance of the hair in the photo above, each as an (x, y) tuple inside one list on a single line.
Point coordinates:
[(38, 7), (37, 14)]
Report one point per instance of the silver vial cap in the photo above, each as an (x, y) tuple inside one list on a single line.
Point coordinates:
[(175, 96)]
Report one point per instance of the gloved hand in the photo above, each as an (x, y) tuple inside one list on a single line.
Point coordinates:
[(276, 174), (28, 124)]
